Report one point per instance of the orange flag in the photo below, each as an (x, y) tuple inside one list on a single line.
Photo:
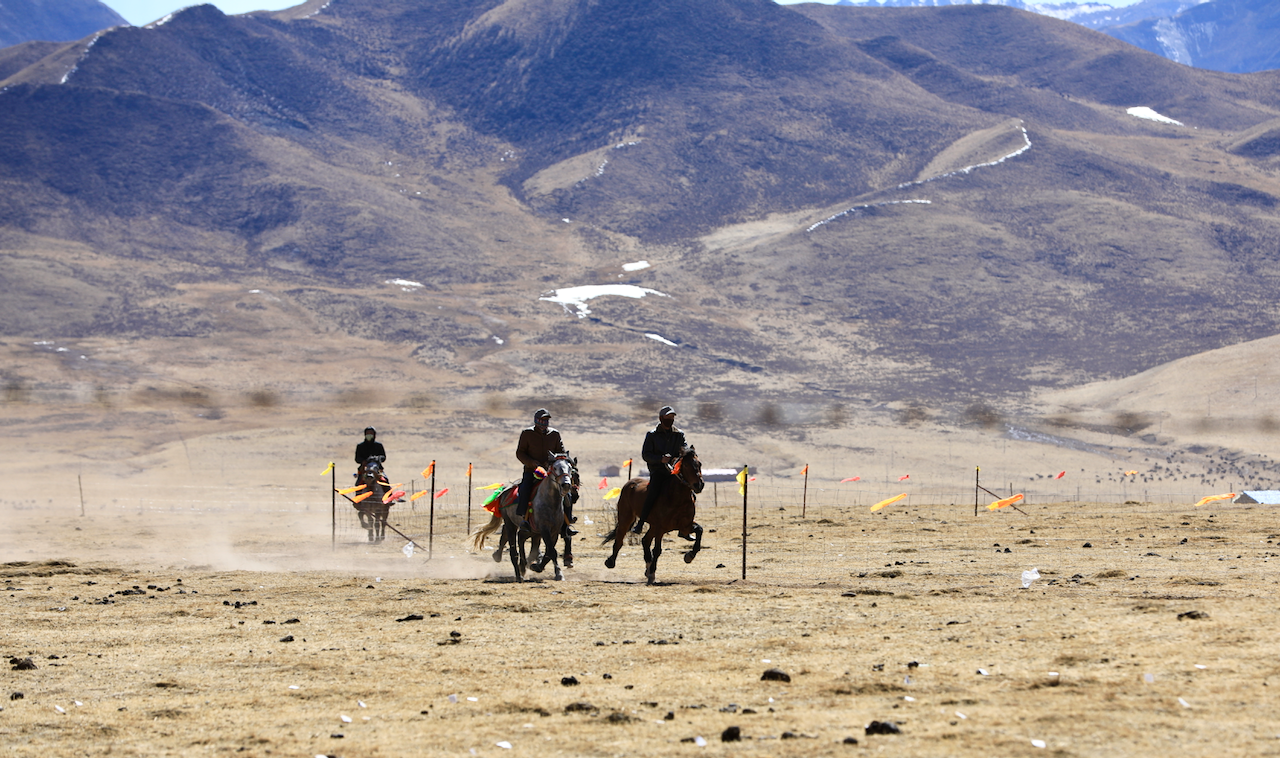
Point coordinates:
[(675, 470), (468, 470), (904, 477), (362, 498), (417, 495), (890, 501), (851, 479), (626, 463), (1134, 472), (804, 470), (426, 472), (1008, 501), (1212, 498)]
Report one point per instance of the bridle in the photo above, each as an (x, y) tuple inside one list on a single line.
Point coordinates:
[(688, 454)]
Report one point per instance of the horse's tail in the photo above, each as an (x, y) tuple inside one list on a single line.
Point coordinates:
[(610, 537), (494, 523)]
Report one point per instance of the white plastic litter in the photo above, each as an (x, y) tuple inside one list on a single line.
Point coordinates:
[(961, 715), (1028, 577), (1037, 743), (294, 687), (453, 698), (504, 745), (59, 709), (407, 550), (361, 704), (1148, 678), (700, 742), (983, 672), (1183, 703), (345, 718)]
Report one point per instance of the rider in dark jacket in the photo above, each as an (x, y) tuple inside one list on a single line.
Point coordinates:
[(370, 447), (661, 446)]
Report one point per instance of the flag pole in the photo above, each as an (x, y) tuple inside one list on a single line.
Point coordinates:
[(333, 505), (804, 496), (431, 521), (746, 476), (469, 498)]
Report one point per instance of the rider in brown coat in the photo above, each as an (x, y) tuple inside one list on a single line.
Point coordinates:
[(535, 447)]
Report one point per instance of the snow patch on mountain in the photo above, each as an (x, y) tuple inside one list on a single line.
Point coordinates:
[(579, 296), (1144, 112), (847, 211)]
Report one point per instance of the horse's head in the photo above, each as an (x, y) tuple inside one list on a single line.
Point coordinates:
[(689, 469), (561, 470), (371, 469)]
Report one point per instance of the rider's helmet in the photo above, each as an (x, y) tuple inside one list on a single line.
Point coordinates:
[(541, 418)]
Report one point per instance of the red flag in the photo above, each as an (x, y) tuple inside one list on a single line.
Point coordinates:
[(1060, 475), (440, 494), (904, 477), (851, 479), (603, 483)]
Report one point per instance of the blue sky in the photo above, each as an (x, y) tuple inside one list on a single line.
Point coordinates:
[(139, 12)]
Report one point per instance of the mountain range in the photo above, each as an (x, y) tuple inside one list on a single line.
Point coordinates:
[(1223, 35), (53, 20), (923, 211)]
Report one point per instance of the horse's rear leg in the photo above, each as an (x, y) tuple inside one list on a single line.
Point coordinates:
[(516, 551)]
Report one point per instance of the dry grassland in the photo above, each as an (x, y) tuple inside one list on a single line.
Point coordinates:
[(1157, 639)]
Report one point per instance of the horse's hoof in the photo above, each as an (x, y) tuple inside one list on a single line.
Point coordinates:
[(688, 557), (568, 562), (559, 577), (497, 555), (610, 562)]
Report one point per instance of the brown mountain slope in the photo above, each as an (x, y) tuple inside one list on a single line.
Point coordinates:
[(165, 178)]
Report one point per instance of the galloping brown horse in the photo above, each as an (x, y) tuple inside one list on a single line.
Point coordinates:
[(673, 512)]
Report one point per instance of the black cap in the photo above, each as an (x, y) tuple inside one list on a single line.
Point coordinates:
[(541, 413), (368, 429), (666, 410)]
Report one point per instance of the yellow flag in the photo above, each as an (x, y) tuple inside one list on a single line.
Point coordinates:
[(890, 501), (626, 463), (349, 490), (497, 486), (1008, 501), (613, 493), (361, 498), (742, 481), (327, 470), (426, 472), (420, 494), (1211, 498), (1133, 472)]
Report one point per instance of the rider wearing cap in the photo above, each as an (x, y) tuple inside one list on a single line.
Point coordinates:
[(536, 445), (661, 446)]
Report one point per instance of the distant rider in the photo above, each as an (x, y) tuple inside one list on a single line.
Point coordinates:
[(370, 447), (661, 446)]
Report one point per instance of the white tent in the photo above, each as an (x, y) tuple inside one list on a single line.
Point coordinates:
[(1260, 497)]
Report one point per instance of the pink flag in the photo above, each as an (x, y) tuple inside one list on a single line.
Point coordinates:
[(904, 477), (851, 479), (1060, 475), (440, 494)]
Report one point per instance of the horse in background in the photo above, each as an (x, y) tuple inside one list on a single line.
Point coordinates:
[(674, 511), (372, 510)]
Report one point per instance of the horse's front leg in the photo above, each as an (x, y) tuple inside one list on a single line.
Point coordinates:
[(568, 549), (697, 543), (651, 565)]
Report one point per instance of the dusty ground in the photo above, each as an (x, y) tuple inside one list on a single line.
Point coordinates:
[(1158, 638)]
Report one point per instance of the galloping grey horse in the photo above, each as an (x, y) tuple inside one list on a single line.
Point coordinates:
[(549, 505)]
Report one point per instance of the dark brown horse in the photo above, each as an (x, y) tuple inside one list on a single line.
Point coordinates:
[(673, 512), (372, 510)]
